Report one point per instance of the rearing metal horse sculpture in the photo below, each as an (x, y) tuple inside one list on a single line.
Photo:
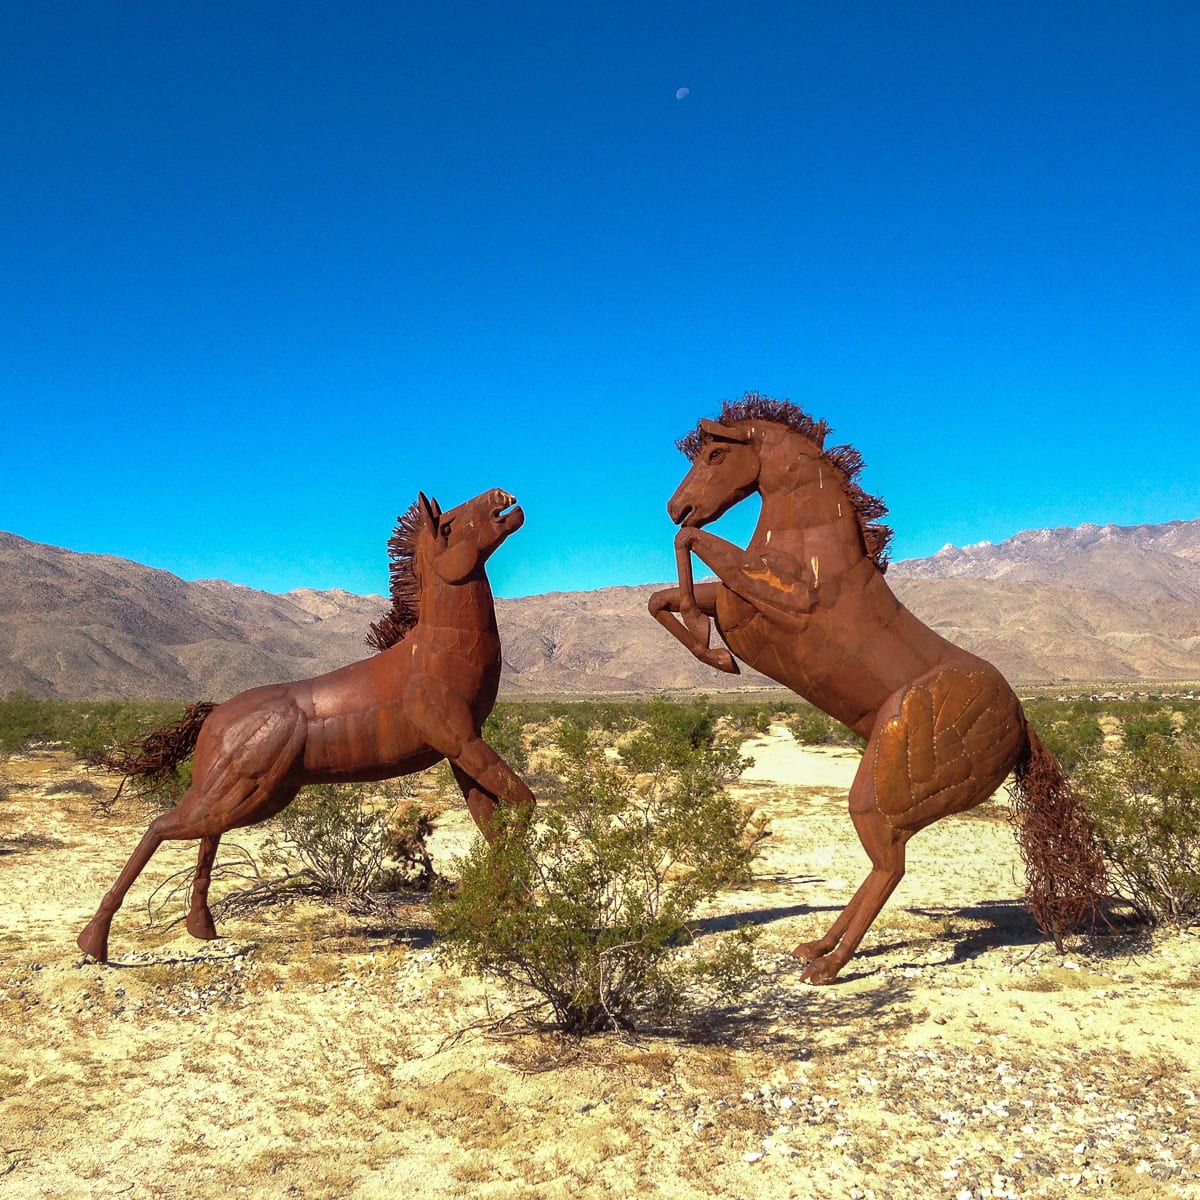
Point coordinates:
[(806, 604), (423, 698)]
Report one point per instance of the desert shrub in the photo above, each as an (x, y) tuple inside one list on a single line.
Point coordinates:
[(748, 720), (1145, 801), (611, 716), (84, 726), (1073, 737), (25, 719), (349, 846), (1137, 731), (504, 732), (589, 906), (406, 847), (811, 727), (90, 729), (75, 787), (1190, 728)]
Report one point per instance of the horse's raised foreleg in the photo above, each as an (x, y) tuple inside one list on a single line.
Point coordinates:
[(199, 919), (493, 780), (666, 603), (772, 581)]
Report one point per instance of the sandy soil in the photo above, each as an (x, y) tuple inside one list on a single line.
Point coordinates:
[(312, 1053)]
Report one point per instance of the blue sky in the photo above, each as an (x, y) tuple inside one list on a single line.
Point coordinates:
[(269, 268)]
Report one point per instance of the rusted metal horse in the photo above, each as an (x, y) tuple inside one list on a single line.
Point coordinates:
[(423, 698), (806, 604)]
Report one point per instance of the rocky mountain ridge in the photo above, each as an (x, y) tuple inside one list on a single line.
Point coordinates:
[(1096, 602), (1160, 562)]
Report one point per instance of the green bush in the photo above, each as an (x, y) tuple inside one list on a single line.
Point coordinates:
[(1145, 801), (504, 732), (85, 726), (23, 719), (1136, 732), (349, 845), (811, 727), (1073, 737), (590, 906)]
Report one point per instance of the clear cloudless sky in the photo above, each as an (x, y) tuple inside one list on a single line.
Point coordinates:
[(266, 269)]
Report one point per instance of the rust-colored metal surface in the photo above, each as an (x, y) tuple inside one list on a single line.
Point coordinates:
[(423, 698), (806, 603)]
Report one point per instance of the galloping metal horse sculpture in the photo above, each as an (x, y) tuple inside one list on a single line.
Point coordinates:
[(423, 698), (806, 604)]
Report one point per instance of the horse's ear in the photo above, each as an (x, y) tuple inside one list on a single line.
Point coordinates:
[(723, 433), (427, 511), (436, 507)]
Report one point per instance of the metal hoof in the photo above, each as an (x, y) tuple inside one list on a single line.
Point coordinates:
[(200, 925), (807, 951), (821, 971), (93, 941)]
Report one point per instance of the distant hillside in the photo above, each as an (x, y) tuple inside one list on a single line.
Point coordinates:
[(599, 641), (90, 625), (1138, 562), (1097, 602)]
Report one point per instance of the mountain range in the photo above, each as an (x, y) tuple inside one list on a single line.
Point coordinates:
[(1096, 602)]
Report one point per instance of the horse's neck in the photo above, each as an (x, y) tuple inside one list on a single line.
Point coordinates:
[(468, 605), (812, 520)]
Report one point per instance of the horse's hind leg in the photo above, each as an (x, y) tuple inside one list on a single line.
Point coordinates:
[(885, 847), (94, 938), (186, 820), (199, 919), (940, 745)]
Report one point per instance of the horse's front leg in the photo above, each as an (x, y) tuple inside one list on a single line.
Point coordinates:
[(773, 582), (666, 603), (445, 720)]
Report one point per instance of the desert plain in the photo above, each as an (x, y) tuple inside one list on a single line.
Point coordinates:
[(310, 1052)]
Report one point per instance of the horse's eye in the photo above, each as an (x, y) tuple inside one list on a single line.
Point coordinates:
[(715, 455), (446, 530)]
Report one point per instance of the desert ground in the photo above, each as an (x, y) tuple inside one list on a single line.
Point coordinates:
[(313, 1053)]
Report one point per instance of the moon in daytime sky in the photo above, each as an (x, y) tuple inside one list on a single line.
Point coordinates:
[(681, 93)]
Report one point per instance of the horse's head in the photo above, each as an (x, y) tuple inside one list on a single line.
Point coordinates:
[(429, 545), (725, 469), (775, 448), (455, 544)]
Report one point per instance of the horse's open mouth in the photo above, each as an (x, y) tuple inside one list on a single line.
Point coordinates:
[(508, 514)]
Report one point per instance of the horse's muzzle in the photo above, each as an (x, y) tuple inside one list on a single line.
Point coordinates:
[(680, 511)]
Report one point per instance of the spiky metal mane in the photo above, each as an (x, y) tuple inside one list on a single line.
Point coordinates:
[(405, 582), (754, 406)]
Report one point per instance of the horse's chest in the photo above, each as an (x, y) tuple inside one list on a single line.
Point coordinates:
[(789, 656)]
